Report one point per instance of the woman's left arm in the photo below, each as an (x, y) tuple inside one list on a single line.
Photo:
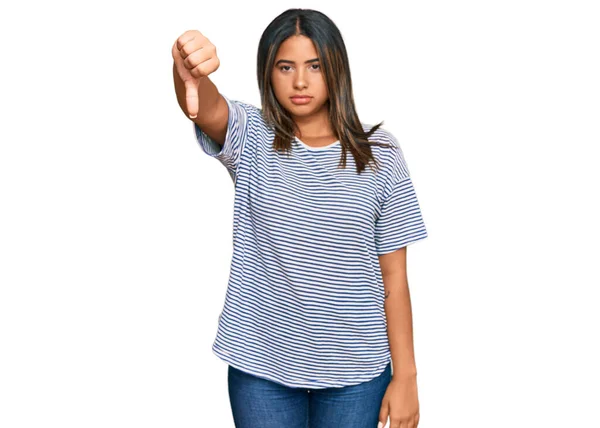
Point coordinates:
[(400, 402), (398, 312)]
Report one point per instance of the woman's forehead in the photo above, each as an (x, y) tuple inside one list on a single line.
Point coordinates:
[(301, 48)]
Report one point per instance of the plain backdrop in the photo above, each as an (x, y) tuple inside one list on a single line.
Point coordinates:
[(116, 229)]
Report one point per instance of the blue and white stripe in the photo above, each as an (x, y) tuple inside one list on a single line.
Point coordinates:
[(304, 301)]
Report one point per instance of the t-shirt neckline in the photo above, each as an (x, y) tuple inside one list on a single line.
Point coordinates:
[(306, 146)]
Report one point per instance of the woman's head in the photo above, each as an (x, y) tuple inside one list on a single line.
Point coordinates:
[(320, 69), (297, 71)]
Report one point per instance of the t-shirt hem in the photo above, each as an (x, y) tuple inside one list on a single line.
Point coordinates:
[(389, 248), (239, 366)]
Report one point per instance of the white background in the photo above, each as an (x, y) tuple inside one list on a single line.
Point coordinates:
[(116, 230)]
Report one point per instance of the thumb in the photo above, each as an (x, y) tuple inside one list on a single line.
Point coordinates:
[(191, 97)]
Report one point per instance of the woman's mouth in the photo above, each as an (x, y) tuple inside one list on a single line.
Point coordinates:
[(301, 100)]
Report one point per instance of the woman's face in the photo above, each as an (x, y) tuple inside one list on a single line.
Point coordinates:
[(297, 71)]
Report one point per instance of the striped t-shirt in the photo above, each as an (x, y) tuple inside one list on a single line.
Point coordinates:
[(304, 305)]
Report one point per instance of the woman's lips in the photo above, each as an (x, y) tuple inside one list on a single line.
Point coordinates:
[(301, 100)]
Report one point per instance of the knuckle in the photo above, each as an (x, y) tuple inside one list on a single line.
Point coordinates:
[(190, 60), (202, 40), (200, 70)]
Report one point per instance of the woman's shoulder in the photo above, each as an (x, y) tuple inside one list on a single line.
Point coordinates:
[(389, 154), (249, 116), (392, 164), (249, 108), (380, 135)]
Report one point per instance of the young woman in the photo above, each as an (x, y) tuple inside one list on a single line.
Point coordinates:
[(317, 307)]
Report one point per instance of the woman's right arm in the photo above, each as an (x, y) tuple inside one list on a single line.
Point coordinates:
[(194, 58)]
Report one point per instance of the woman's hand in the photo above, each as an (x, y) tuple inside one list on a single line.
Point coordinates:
[(195, 58), (400, 403)]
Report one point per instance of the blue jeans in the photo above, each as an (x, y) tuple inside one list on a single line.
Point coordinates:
[(261, 403)]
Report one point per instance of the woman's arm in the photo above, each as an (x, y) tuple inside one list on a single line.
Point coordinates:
[(398, 312)]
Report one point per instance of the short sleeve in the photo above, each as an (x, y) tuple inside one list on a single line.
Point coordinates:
[(400, 222), (241, 118)]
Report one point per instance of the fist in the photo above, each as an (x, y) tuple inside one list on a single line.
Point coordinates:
[(195, 58)]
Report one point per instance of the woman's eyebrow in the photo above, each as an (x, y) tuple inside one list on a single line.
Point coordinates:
[(292, 62)]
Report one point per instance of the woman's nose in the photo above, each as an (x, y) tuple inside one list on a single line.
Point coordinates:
[(300, 80)]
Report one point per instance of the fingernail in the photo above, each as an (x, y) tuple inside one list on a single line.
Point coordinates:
[(193, 117), (380, 424)]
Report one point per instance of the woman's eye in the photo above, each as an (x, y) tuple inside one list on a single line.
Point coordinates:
[(286, 67)]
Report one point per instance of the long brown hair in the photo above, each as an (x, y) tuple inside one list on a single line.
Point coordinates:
[(336, 69)]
